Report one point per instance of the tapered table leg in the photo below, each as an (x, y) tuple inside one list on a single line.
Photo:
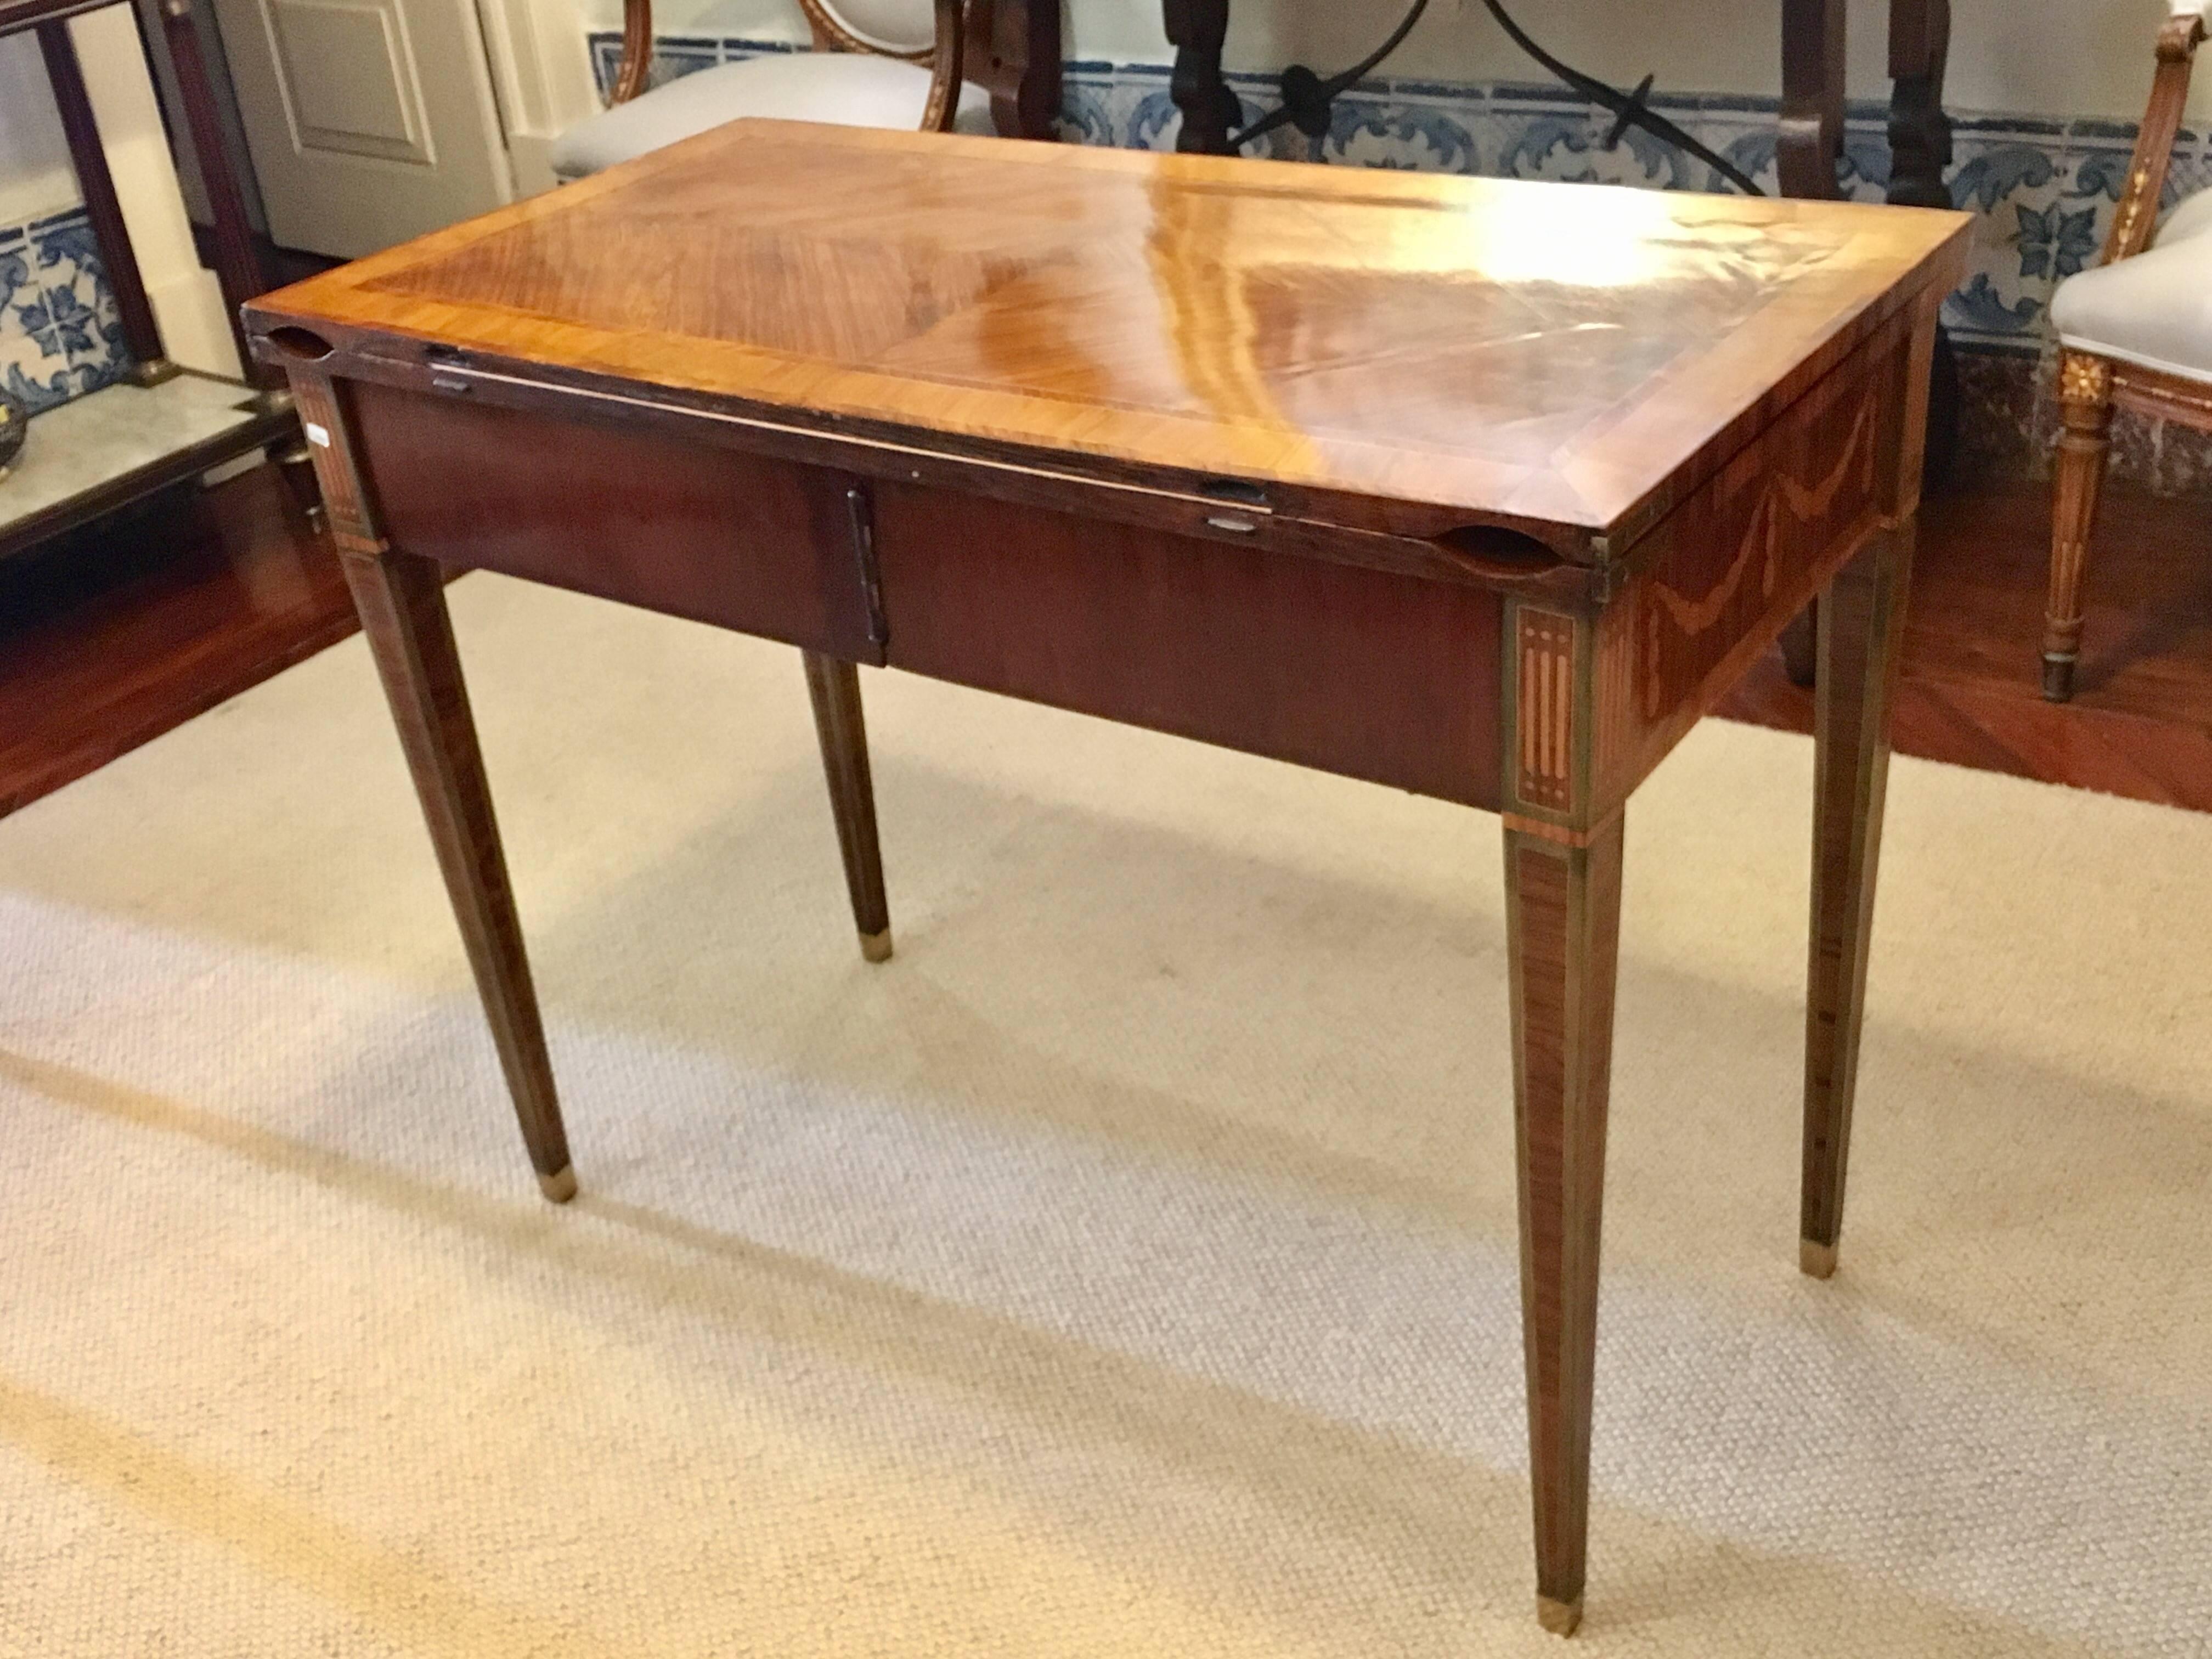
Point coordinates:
[(1861, 629), (1563, 905), (835, 687), (402, 601)]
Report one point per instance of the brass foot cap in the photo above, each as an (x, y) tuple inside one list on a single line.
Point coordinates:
[(1560, 1618), (559, 1187), (876, 947), (2057, 679), (1817, 1261)]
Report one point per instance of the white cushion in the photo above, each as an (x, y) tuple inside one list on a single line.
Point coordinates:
[(842, 88), (2192, 218), (893, 25), (2192, 7), (2155, 310)]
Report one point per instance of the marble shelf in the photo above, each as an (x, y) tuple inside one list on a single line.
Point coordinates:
[(96, 453)]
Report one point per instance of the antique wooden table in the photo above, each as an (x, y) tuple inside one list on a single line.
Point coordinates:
[(1487, 490)]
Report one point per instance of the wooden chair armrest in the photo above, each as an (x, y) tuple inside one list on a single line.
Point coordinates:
[(636, 51), (946, 70), (2169, 91)]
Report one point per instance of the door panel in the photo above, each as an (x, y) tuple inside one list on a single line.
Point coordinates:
[(374, 110), (370, 121)]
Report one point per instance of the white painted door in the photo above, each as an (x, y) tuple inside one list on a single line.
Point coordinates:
[(370, 121)]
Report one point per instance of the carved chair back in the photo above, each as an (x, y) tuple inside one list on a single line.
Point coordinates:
[(2137, 215), (1010, 48), (897, 29)]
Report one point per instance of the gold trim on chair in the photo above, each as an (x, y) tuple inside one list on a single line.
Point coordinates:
[(2091, 386)]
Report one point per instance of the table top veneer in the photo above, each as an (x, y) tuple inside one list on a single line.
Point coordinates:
[(1443, 351)]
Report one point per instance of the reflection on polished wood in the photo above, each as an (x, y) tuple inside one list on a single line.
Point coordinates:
[(1483, 491), (1389, 348)]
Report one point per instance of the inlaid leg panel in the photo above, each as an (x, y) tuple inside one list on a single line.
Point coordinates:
[(835, 687), (402, 601), (1862, 626), (1564, 914)]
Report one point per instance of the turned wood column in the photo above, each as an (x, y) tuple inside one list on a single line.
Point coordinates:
[(1919, 130), (1197, 29), (2085, 401)]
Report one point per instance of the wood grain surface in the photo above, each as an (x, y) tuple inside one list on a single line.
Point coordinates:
[(1483, 490), (1566, 360), (1563, 920)]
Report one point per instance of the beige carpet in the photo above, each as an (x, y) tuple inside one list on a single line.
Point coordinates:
[(1126, 1269)]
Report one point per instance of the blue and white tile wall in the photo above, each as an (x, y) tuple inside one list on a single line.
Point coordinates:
[(2044, 191), (60, 336)]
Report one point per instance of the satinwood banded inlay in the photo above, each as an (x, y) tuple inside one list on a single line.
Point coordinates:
[(1545, 649), (317, 401)]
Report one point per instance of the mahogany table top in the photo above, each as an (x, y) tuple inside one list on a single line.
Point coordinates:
[(1566, 359)]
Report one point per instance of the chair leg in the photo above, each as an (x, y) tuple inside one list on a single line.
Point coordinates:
[(2085, 390)]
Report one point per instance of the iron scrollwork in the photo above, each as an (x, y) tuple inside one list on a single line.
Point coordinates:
[(1309, 99)]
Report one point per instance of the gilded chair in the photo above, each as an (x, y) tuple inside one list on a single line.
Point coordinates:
[(942, 65), (2136, 332)]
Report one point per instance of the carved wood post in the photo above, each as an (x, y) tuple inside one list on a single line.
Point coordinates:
[(1197, 29), (1812, 124), (2085, 394), (1919, 130)]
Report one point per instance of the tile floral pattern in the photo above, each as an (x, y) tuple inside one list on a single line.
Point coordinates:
[(60, 336), (2043, 191)]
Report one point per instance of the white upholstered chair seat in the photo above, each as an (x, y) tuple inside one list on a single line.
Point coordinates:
[(2153, 311), (844, 88)]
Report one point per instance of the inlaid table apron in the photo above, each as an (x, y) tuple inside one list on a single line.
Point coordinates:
[(1484, 490)]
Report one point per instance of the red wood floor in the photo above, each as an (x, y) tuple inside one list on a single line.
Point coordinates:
[(114, 635), (111, 635), (2141, 722)]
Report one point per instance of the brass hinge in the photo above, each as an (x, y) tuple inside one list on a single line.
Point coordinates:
[(862, 509)]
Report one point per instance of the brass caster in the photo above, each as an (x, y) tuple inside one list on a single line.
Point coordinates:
[(1560, 1618), (559, 1187), (1816, 1260)]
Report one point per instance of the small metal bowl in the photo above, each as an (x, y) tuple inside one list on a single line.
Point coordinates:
[(14, 428)]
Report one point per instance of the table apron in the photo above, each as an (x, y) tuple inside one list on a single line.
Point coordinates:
[(1382, 675)]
